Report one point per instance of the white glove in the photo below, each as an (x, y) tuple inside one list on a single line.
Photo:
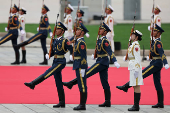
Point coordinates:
[(149, 28), (117, 64), (147, 58), (22, 32), (51, 34), (6, 29), (47, 56), (37, 28), (71, 57), (82, 71), (166, 66), (124, 59), (136, 74), (92, 57), (87, 35)]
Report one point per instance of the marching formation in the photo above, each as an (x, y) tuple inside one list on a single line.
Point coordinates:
[(69, 38)]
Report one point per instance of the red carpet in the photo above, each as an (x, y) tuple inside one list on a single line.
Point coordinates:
[(13, 90)]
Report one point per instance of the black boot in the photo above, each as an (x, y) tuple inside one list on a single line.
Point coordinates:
[(45, 62), (160, 103), (21, 44), (23, 57), (17, 59), (107, 102), (61, 96), (32, 84), (83, 99), (135, 107), (111, 62), (124, 87), (71, 83)]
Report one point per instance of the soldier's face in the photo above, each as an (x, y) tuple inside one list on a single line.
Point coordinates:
[(79, 14), (155, 32), (156, 11), (43, 11), (58, 31), (20, 12), (101, 31), (78, 32), (13, 10), (133, 36)]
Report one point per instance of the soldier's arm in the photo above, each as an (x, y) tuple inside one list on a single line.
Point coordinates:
[(111, 23), (68, 46), (107, 48), (158, 21), (160, 50), (52, 51), (23, 23), (47, 23), (136, 52), (70, 24), (82, 50), (15, 19)]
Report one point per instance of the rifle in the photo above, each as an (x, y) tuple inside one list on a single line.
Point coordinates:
[(9, 16), (75, 29), (53, 36), (65, 9), (40, 17), (19, 7), (133, 27), (150, 57), (106, 9), (95, 52)]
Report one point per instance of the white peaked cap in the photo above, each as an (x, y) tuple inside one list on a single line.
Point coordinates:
[(23, 8), (138, 32), (157, 6), (70, 7), (110, 7)]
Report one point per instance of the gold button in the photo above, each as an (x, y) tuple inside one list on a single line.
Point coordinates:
[(55, 51)]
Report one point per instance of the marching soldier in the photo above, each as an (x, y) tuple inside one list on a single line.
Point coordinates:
[(13, 32), (68, 22), (22, 12), (42, 34), (109, 20), (80, 65), (157, 18), (135, 68), (158, 59), (60, 47), (101, 65)]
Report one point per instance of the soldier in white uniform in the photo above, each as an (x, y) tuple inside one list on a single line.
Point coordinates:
[(109, 20), (157, 19), (68, 22), (135, 68), (22, 38)]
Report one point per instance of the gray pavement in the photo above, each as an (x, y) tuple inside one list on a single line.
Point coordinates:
[(34, 56)]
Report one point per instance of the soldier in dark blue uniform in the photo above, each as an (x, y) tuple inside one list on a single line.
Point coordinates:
[(101, 65), (59, 49), (13, 25), (80, 65), (42, 34), (158, 59)]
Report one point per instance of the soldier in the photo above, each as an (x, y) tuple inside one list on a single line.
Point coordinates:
[(109, 20), (158, 59), (42, 34), (68, 22), (101, 65), (80, 65), (22, 12), (135, 68), (60, 47), (12, 35), (157, 18)]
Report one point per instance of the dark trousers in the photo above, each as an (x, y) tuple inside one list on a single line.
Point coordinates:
[(103, 72), (42, 39), (81, 81), (56, 71)]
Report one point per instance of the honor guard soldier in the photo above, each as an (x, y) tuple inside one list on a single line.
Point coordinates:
[(80, 65), (135, 68), (157, 18), (13, 25), (42, 33), (109, 20), (22, 12), (101, 65), (158, 59), (68, 22), (60, 47)]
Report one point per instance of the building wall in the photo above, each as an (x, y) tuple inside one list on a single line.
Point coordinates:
[(34, 9)]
